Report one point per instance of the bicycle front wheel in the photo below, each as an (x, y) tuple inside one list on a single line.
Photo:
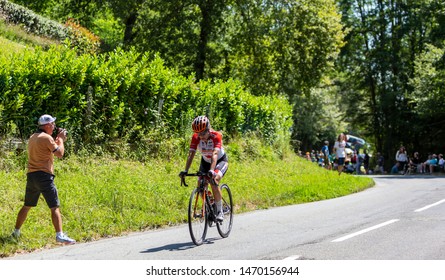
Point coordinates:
[(225, 226), (197, 217)]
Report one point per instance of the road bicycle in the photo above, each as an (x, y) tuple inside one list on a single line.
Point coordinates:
[(202, 209)]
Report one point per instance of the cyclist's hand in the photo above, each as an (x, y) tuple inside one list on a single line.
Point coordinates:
[(182, 174), (211, 174)]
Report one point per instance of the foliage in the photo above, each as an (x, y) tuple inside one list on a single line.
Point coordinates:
[(81, 38), (23, 39), (125, 98), (272, 47), (429, 93), (428, 82), (109, 29), (33, 22), (78, 37), (318, 117), (284, 47)]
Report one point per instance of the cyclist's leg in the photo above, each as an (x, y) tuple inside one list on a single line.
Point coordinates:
[(221, 169), (204, 167)]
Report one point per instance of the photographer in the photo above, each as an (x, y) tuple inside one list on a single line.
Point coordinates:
[(42, 148)]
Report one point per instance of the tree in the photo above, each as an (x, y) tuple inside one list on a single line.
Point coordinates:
[(37, 6), (428, 84), (287, 48), (385, 38), (84, 11)]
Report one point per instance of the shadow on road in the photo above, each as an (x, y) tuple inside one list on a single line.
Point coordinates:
[(177, 246)]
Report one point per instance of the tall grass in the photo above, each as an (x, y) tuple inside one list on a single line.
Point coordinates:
[(14, 37), (102, 197)]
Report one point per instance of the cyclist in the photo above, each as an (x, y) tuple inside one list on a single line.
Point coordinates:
[(214, 160)]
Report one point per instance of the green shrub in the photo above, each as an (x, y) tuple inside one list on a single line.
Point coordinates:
[(81, 38), (127, 103), (71, 34)]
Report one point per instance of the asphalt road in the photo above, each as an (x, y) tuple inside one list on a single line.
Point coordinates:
[(401, 218)]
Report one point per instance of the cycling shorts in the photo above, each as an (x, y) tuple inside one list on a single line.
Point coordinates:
[(221, 166)]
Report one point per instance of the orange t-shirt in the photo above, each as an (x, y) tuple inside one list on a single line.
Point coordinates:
[(40, 153)]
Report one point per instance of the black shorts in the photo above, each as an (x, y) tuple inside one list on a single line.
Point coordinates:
[(222, 165), (341, 161), (40, 182)]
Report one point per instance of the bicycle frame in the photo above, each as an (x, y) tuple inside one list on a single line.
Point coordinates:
[(202, 212), (204, 190)]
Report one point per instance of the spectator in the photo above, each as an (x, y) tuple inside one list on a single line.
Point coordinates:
[(366, 162), (441, 162), (395, 168), (354, 157), (360, 160), (339, 149), (42, 148), (430, 164), (333, 161), (325, 151), (401, 158), (313, 156), (380, 164), (415, 163), (320, 159)]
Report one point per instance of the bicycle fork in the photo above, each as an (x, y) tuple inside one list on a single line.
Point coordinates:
[(199, 213)]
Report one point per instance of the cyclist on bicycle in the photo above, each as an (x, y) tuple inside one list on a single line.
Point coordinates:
[(213, 161)]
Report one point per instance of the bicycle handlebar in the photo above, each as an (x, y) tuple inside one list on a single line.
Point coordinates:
[(199, 173)]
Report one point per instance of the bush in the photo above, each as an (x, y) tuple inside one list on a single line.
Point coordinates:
[(124, 102), (71, 34), (32, 22)]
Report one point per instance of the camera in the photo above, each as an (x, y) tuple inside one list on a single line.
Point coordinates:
[(58, 130)]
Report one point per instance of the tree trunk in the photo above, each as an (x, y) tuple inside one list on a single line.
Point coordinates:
[(129, 24), (206, 27)]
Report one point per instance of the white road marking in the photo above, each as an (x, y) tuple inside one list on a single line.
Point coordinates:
[(365, 230), (292, 258), (429, 206)]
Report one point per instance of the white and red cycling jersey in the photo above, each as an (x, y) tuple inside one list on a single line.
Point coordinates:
[(206, 147)]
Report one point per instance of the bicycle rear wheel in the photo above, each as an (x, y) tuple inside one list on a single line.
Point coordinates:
[(197, 217), (225, 226)]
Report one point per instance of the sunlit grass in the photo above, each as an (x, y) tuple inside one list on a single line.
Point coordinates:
[(14, 38), (102, 197)]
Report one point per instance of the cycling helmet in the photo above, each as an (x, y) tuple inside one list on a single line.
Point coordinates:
[(200, 124)]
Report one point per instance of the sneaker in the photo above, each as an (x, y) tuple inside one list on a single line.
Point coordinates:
[(220, 216), (15, 234), (65, 239)]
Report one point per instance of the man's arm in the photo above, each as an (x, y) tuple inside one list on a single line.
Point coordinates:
[(61, 137), (60, 148)]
